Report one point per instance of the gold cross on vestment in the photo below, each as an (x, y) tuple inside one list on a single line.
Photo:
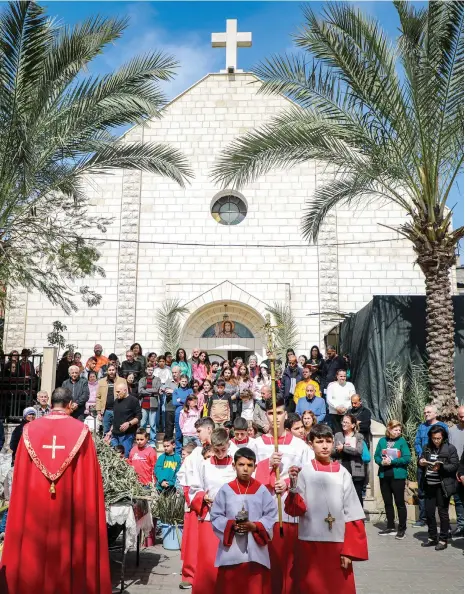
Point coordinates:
[(53, 447), (329, 518)]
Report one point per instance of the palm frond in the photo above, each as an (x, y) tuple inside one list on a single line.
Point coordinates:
[(287, 334), (168, 319)]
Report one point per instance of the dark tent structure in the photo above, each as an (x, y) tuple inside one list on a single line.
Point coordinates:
[(391, 328)]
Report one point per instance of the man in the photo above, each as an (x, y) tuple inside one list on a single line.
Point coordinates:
[(363, 416), (127, 415), (291, 377), (338, 396), (91, 365), (421, 439), (149, 392), (79, 389), (259, 412), (267, 362), (26, 367), (131, 366), (331, 366), (170, 408), (168, 358), (456, 439), (313, 403), (291, 452), (56, 518), (164, 375), (194, 360), (42, 407), (301, 388), (105, 398), (101, 359)]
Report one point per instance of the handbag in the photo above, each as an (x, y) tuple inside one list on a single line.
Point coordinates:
[(366, 458)]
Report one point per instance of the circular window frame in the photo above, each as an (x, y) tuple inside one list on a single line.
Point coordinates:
[(224, 194)]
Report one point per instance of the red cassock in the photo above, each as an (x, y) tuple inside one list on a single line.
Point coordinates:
[(56, 534)]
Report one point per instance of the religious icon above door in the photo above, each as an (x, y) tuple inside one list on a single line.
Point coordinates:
[(227, 329)]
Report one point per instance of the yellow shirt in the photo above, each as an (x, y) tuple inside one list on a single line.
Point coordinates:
[(301, 388)]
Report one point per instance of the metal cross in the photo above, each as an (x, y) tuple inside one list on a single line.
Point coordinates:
[(329, 518), (53, 447), (231, 40)]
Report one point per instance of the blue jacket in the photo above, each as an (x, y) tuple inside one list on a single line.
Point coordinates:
[(181, 394), (166, 469), (317, 405), (421, 438)]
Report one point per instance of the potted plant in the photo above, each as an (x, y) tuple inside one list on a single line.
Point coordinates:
[(170, 513)]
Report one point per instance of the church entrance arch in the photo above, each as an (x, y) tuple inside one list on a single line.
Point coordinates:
[(225, 332)]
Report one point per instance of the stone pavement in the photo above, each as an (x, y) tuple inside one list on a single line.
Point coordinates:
[(401, 566)]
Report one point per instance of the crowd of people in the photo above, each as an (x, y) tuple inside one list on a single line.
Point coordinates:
[(217, 425)]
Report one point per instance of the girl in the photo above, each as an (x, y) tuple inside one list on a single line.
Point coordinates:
[(133, 386), (237, 362), (152, 359), (138, 356), (288, 353), (182, 362), (348, 448), (201, 370), (302, 361), (204, 396), (190, 414), (252, 430), (393, 456), (180, 396), (93, 385), (262, 379), (439, 462), (77, 361), (243, 379), (308, 420)]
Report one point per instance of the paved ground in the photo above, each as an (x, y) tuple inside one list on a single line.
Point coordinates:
[(394, 566)]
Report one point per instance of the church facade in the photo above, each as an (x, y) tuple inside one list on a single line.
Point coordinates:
[(225, 255)]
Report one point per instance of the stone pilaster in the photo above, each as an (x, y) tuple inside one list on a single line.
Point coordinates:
[(15, 320), (128, 260)]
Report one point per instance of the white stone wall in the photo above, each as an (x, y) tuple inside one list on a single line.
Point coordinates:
[(284, 268)]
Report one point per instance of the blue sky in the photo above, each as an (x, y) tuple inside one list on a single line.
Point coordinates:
[(183, 29)]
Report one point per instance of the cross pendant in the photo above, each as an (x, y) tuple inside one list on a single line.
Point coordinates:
[(329, 518)]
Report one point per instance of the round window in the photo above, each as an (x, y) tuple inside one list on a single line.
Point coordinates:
[(229, 210)]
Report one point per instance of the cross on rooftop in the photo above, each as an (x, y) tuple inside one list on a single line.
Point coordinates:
[(231, 40)]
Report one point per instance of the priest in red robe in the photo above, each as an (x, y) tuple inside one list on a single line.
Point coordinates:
[(56, 534), (331, 528)]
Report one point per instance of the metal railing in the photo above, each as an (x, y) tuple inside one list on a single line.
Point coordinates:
[(19, 384)]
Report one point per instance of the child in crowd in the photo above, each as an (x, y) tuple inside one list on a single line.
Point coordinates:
[(220, 405), (207, 451), (247, 405), (143, 457), (214, 371), (119, 449), (331, 527), (180, 395), (252, 430), (241, 438), (187, 451), (190, 533), (294, 424), (167, 467), (190, 414), (243, 516), (204, 396)]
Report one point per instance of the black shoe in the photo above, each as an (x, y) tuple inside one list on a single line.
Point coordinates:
[(387, 532), (457, 532), (400, 534), (429, 543), (441, 546)]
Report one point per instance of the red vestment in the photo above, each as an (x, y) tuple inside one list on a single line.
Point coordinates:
[(56, 542)]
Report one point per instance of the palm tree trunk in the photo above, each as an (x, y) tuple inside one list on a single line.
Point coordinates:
[(440, 332)]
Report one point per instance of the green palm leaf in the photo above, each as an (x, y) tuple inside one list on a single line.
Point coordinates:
[(168, 320), (287, 334)]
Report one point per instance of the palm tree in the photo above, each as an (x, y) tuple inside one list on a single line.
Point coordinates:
[(168, 317), (388, 119), (57, 125)]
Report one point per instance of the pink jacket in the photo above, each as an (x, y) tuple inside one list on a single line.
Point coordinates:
[(199, 371), (187, 422)]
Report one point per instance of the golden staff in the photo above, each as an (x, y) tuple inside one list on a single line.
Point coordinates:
[(272, 356)]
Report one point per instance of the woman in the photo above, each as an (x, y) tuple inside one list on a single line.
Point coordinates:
[(62, 370), (393, 457), (231, 389), (308, 420), (183, 364), (78, 362), (262, 379), (29, 414), (316, 363), (152, 360), (133, 386), (138, 356), (253, 366), (439, 462), (201, 370), (93, 385), (348, 448), (243, 379)]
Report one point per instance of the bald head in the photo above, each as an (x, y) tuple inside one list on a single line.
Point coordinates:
[(460, 414)]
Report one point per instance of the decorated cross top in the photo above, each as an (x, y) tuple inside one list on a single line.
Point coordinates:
[(270, 332)]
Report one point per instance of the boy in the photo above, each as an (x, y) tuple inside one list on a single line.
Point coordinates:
[(247, 405), (294, 424), (243, 515), (143, 458), (291, 452), (331, 528), (241, 437), (215, 371), (207, 480), (167, 467), (220, 405)]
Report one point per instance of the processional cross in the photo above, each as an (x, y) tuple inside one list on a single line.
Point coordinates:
[(231, 40), (53, 447)]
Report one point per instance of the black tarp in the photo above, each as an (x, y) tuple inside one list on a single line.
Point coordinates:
[(392, 329)]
